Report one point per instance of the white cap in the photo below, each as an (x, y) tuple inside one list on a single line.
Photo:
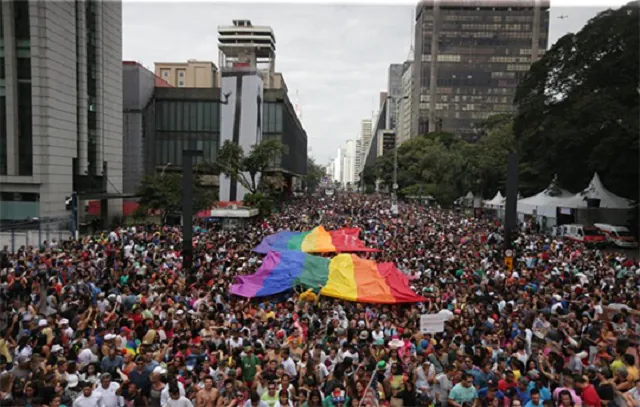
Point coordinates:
[(56, 348), (64, 321), (109, 337), (180, 312), (42, 322), (159, 370)]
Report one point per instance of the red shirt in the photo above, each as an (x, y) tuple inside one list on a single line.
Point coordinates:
[(590, 397), (503, 385)]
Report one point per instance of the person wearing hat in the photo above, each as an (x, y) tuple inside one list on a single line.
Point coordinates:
[(250, 363)]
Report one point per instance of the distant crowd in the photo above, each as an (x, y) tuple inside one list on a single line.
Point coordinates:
[(113, 320)]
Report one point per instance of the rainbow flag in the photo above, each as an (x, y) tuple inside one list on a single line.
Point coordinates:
[(317, 240), (345, 276)]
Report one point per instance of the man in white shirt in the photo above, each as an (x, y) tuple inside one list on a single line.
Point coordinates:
[(288, 364), (106, 390), (88, 398)]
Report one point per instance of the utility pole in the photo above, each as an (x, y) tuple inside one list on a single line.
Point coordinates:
[(187, 207)]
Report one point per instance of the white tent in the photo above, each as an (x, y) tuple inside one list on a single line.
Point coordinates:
[(545, 203), (496, 202), (596, 190)]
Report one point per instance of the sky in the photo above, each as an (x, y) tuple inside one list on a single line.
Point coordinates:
[(334, 57)]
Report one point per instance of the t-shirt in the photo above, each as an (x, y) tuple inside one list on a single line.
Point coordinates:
[(249, 364), (590, 397), (461, 394), (181, 402), (271, 401)]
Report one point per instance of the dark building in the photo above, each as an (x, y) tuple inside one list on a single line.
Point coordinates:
[(181, 118), (470, 55), (139, 84), (394, 89)]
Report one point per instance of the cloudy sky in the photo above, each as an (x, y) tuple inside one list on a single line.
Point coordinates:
[(335, 56)]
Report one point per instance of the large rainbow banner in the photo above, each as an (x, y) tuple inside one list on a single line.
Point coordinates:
[(345, 276), (317, 240)]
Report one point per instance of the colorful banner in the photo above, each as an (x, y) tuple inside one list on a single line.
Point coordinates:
[(345, 276), (317, 240)]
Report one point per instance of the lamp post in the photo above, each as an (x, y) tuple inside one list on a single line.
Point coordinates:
[(394, 196), (187, 207)]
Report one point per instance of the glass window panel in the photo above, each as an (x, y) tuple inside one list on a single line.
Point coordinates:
[(193, 116), (278, 119), (200, 116), (165, 152), (179, 147), (206, 116), (200, 146), (186, 118), (178, 120)]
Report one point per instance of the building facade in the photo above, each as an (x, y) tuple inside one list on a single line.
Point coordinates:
[(469, 57), (138, 86), (190, 74), (181, 118), (349, 162), (403, 127), (394, 89), (60, 106)]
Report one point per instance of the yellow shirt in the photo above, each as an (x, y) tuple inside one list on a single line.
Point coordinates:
[(615, 365), (632, 373), (4, 350), (308, 296)]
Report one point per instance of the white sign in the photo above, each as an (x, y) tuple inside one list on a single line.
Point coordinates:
[(431, 323)]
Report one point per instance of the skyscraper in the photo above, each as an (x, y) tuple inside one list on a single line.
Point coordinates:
[(469, 57), (403, 126), (60, 106), (365, 140), (394, 89)]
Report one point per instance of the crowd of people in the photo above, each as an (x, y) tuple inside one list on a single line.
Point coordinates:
[(113, 320)]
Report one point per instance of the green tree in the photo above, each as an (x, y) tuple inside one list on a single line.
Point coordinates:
[(163, 192), (314, 176), (578, 107), (247, 169)]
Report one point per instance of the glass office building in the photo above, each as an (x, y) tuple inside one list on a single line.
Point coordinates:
[(181, 118), (482, 49)]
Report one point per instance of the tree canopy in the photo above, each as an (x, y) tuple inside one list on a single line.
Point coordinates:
[(578, 107), (248, 168), (577, 113), (163, 192), (315, 173)]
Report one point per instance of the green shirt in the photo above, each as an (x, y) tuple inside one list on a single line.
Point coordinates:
[(271, 401), (249, 370)]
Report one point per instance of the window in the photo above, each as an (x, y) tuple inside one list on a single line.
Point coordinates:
[(181, 74), (165, 73), (181, 83)]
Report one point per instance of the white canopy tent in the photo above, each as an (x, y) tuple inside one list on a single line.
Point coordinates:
[(545, 203), (496, 202), (596, 190)]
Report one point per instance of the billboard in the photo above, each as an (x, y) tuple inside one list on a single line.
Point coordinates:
[(240, 121)]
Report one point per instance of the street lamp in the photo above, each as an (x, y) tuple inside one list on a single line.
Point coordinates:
[(187, 207), (394, 197)]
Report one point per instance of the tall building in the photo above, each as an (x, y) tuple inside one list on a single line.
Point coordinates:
[(190, 74), (403, 127), (469, 57), (138, 85), (365, 140), (394, 89), (60, 106), (357, 165), (349, 162), (244, 45)]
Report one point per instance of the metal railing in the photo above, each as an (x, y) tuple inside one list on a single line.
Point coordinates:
[(35, 233)]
